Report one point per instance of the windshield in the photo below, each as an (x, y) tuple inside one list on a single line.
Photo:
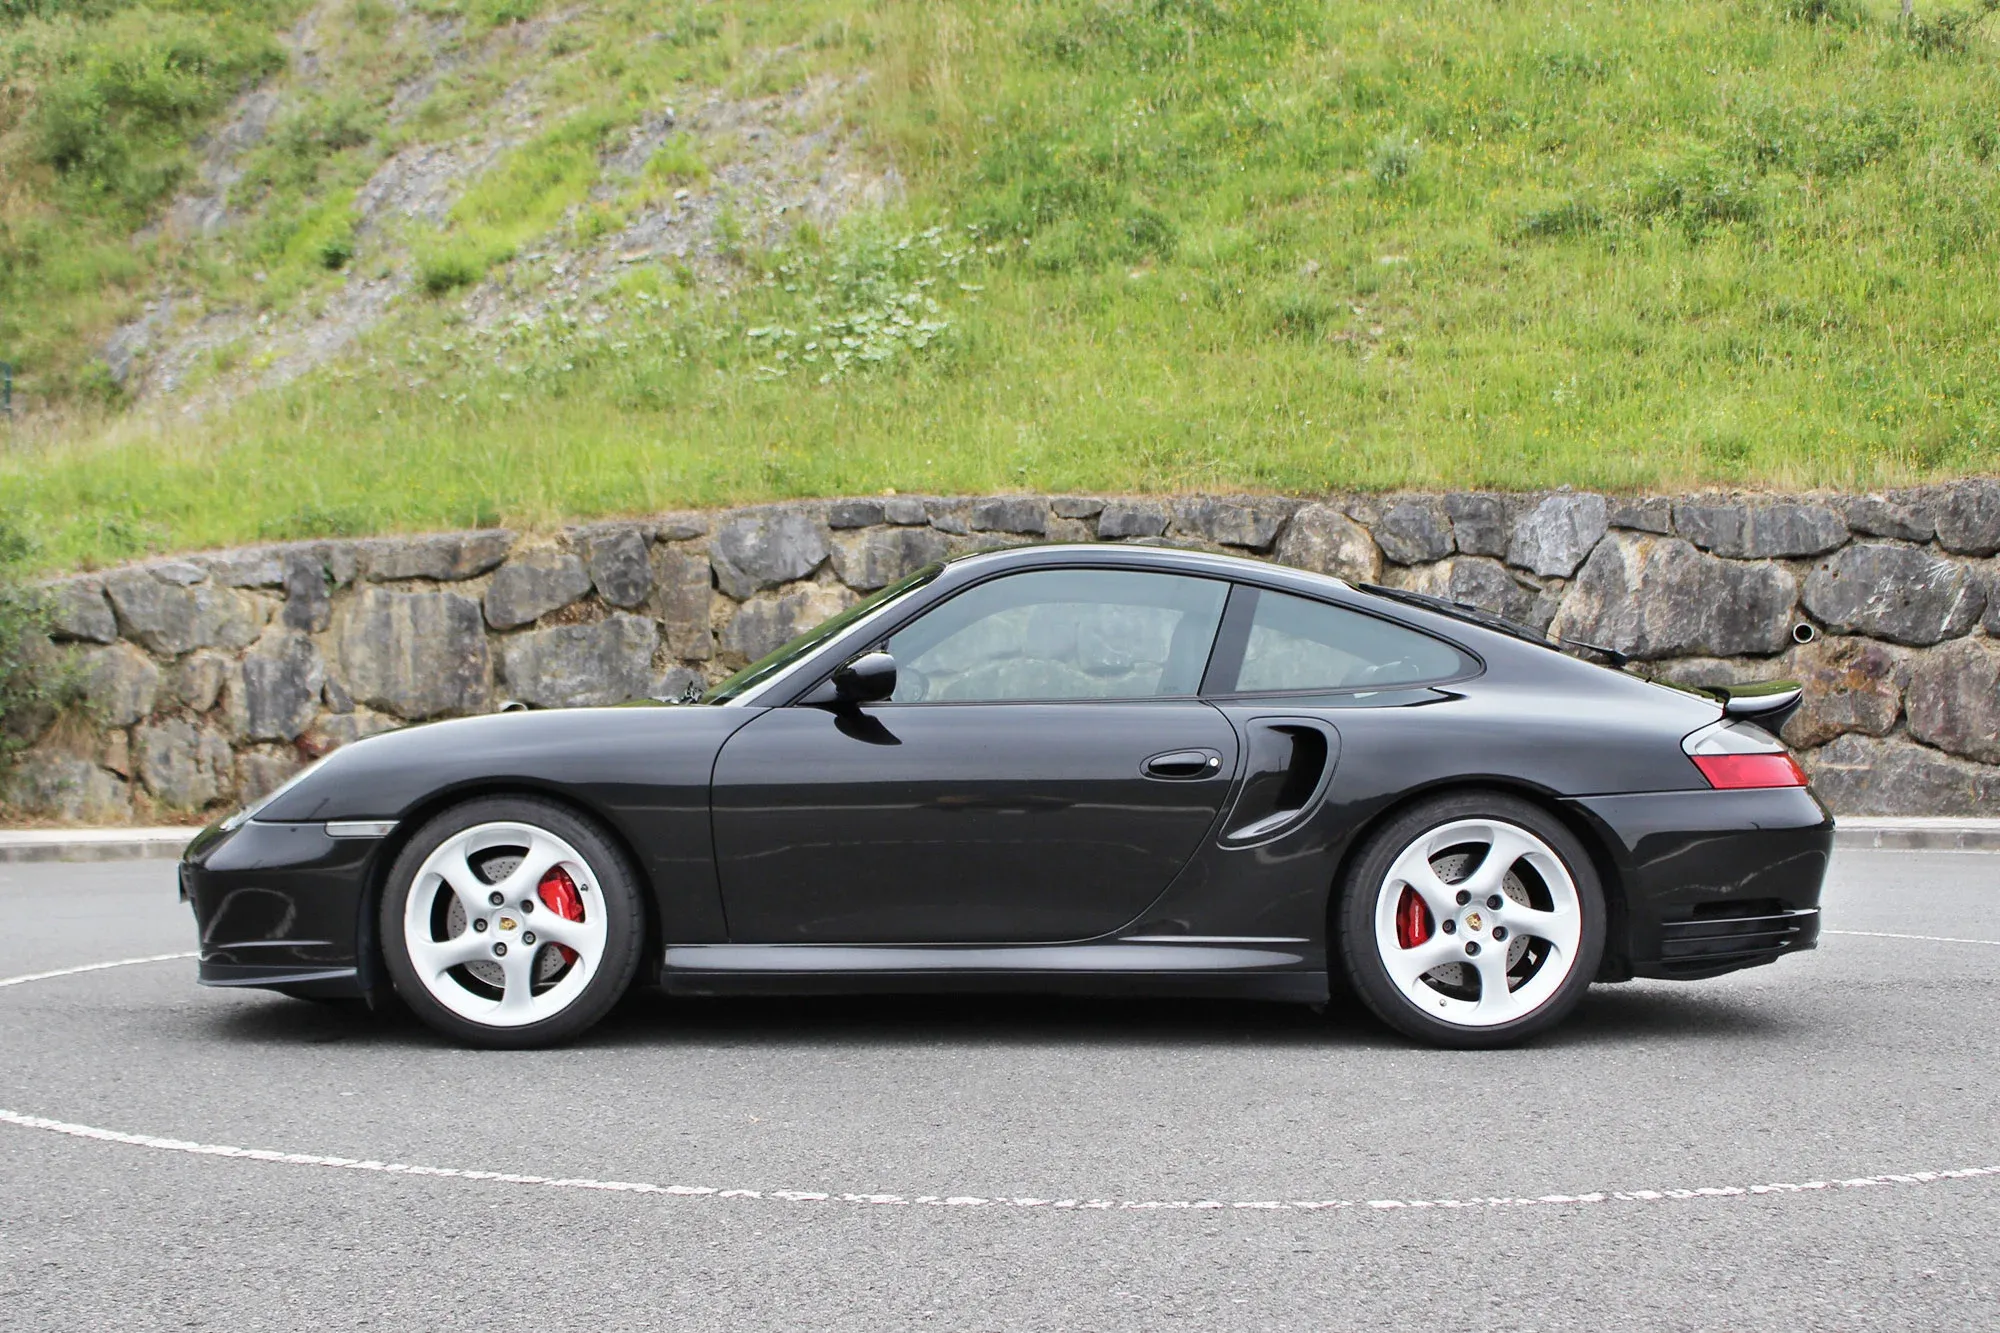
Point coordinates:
[(768, 666)]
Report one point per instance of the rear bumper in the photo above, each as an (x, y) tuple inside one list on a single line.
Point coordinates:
[(1704, 946), (1712, 881), (280, 906)]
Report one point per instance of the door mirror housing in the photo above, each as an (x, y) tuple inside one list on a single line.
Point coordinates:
[(869, 678)]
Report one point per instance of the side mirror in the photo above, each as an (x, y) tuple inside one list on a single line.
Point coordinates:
[(869, 678)]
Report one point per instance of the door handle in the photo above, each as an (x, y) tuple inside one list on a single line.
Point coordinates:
[(1182, 765)]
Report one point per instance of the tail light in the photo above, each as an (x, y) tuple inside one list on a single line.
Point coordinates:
[(1734, 756), (1726, 772)]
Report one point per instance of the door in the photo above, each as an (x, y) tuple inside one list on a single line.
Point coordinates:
[(1042, 772)]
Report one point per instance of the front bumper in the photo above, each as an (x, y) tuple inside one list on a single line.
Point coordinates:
[(282, 906), (1712, 881)]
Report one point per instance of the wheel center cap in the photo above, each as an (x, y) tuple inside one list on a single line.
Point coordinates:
[(1472, 921), (507, 923)]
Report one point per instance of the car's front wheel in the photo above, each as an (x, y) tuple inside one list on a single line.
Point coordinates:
[(511, 922), (1472, 920)]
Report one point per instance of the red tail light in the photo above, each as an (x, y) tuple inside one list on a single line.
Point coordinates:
[(1731, 772), (1735, 755)]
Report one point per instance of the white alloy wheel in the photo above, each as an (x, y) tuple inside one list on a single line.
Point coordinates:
[(505, 924), (1478, 923)]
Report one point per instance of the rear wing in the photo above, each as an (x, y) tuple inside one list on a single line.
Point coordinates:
[(1767, 703)]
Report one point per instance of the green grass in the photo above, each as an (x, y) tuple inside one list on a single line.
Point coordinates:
[(1159, 245), (101, 102), (522, 198)]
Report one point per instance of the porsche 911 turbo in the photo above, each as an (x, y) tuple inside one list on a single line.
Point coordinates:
[(1076, 769)]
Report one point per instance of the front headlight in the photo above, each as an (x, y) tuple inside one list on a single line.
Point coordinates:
[(249, 812)]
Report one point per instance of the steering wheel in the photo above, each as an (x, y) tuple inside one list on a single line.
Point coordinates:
[(912, 686)]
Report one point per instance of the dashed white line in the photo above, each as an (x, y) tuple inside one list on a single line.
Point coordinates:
[(1475, 1202), (90, 967), (975, 1200), (1889, 935)]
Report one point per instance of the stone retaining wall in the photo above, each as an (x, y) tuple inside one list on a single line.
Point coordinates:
[(208, 678)]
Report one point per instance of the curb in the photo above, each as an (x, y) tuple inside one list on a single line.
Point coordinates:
[(95, 844), (1858, 833), (1918, 835)]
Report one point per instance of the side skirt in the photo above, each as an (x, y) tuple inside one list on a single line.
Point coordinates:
[(1266, 969)]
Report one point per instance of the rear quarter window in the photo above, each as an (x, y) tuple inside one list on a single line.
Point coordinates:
[(1296, 645)]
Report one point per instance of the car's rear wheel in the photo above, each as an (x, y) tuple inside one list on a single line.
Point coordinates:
[(511, 922), (1472, 920)]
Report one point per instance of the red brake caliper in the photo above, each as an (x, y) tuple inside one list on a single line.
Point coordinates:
[(558, 893), (1413, 920)]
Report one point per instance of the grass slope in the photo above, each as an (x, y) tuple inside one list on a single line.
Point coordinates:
[(1146, 244)]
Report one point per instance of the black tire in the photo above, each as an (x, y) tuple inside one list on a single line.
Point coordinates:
[(1366, 882), (616, 882), (354, 1003)]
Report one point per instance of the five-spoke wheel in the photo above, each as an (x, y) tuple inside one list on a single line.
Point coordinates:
[(1472, 920), (510, 922)]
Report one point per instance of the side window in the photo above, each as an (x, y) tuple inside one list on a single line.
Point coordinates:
[(1061, 634), (1300, 645)]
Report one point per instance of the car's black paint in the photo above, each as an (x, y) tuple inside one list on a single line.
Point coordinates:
[(790, 845), (643, 771), (869, 678), (277, 904), (1714, 854), (959, 823)]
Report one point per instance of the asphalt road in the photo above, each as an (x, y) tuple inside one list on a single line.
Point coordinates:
[(1873, 1056)]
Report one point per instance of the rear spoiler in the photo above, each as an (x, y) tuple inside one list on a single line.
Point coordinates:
[(1768, 703)]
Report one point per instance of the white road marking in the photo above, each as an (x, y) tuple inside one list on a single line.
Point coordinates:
[(973, 1200), (1928, 939), (91, 967), (191, 1148)]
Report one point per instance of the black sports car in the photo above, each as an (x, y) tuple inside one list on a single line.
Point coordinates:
[(1090, 768)]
